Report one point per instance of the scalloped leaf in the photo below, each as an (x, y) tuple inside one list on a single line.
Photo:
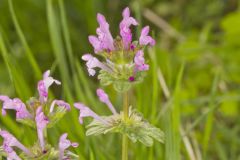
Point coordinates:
[(136, 128)]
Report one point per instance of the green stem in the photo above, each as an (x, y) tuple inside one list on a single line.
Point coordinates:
[(125, 138)]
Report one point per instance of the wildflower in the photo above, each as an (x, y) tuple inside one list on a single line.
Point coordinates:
[(124, 62), (64, 143), (15, 104), (27, 112), (125, 30), (39, 114), (144, 38), (92, 63), (11, 154), (104, 41), (44, 84), (104, 98), (10, 141), (140, 62), (86, 112), (41, 122)]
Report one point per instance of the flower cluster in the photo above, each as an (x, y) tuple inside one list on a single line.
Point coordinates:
[(37, 113), (124, 59)]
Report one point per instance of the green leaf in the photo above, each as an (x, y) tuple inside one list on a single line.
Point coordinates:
[(136, 128)]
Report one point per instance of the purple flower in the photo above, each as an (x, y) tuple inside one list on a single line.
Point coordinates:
[(4, 99), (103, 97), (125, 30), (10, 141), (59, 103), (140, 62), (11, 154), (145, 39), (44, 84), (104, 41), (64, 143), (92, 63), (86, 112), (17, 105), (41, 123)]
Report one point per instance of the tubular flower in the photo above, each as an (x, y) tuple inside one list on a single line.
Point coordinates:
[(27, 111), (92, 63), (103, 97), (104, 41), (15, 104), (140, 62), (44, 84), (64, 143), (145, 39), (124, 26), (11, 154), (121, 64), (86, 112), (41, 122), (10, 141), (38, 113)]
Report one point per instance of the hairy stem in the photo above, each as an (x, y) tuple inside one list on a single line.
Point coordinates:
[(125, 138)]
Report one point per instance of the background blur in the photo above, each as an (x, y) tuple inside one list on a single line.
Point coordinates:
[(197, 53)]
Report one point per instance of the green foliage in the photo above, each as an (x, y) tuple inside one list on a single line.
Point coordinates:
[(32, 40), (136, 128)]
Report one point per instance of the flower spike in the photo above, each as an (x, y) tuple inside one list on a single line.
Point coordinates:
[(103, 97)]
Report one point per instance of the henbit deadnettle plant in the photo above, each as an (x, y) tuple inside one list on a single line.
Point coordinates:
[(123, 66), (124, 63), (40, 114)]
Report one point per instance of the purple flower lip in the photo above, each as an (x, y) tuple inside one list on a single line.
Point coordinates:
[(131, 79)]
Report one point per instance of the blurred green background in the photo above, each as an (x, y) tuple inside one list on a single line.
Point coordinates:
[(197, 55)]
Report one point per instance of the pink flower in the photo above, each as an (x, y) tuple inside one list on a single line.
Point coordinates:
[(103, 97), (86, 112), (11, 154), (145, 39), (64, 143), (17, 105), (104, 41), (125, 30), (92, 63), (41, 123), (44, 84), (140, 62), (10, 141), (4, 99), (59, 103)]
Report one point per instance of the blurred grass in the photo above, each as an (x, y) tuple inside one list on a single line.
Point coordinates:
[(201, 114)]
